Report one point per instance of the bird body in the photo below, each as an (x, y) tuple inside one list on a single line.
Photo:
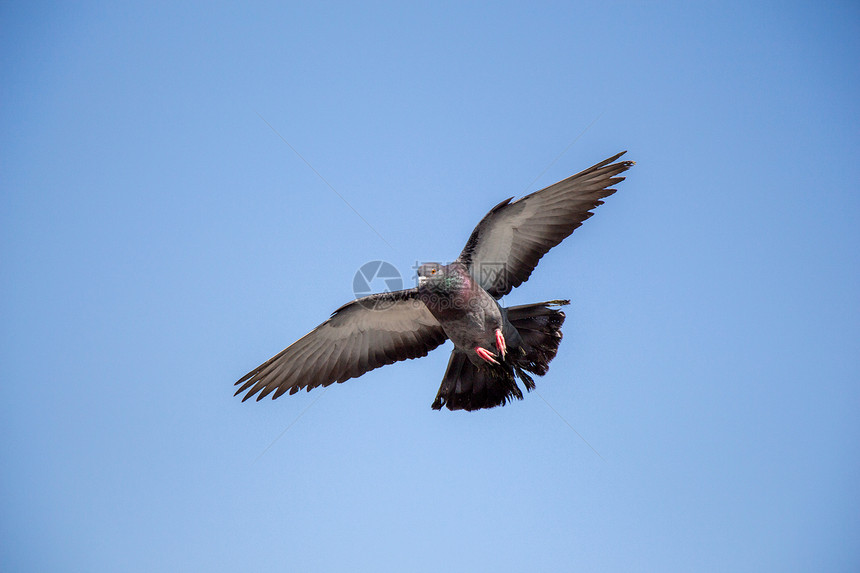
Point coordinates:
[(468, 314), (493, 346)]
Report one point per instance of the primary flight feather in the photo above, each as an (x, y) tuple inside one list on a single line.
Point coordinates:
[(493, 345)]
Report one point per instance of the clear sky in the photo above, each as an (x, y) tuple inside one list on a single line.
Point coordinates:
[(159, 240)]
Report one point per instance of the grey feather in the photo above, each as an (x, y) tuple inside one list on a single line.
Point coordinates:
[(507, 244), (361, 335)]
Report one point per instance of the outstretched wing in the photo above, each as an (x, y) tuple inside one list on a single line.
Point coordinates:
[(509, 241), (361, 335)]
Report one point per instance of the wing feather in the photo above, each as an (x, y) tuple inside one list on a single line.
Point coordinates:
[(360, 336), (507, 244)]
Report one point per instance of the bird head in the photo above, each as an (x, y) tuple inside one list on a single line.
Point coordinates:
[(442, 278), (431, 275)]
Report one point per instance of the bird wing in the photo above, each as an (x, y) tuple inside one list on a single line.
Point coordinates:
[(507, 244), (361, 335)]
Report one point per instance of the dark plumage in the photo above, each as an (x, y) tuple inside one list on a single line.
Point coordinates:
[(493, 346)]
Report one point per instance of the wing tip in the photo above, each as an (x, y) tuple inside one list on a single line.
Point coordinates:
[(625, 163)]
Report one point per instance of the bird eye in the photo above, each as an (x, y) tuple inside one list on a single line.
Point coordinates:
[(432, 271)]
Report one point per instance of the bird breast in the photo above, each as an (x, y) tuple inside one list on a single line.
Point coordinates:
[(469, 318)]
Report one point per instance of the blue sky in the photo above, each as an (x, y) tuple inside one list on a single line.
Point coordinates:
[(159, 240)]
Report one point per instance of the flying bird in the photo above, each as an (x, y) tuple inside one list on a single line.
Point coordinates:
[(493, 345)]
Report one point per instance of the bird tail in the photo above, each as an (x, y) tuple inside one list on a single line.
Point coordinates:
[(469, 387)]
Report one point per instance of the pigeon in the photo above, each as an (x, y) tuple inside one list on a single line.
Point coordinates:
[(493, 345)]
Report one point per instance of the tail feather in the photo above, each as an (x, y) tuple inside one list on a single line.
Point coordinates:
[(539, 326), (469, 387)]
